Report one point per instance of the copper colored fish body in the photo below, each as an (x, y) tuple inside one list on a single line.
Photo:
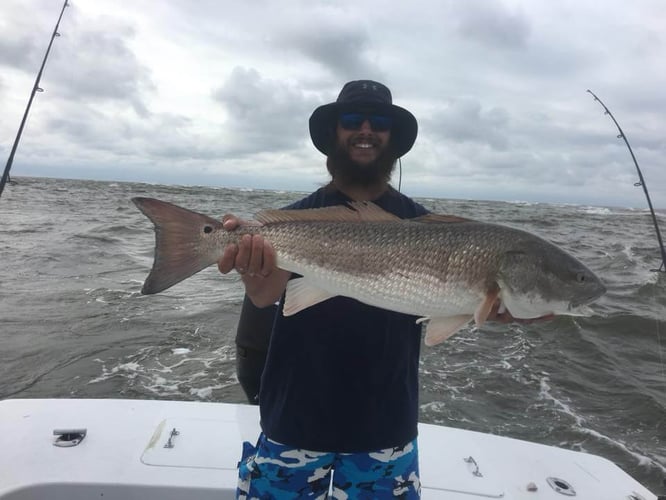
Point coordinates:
[(442, 269)]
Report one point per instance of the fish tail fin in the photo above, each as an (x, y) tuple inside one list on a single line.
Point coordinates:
[(183, 243)]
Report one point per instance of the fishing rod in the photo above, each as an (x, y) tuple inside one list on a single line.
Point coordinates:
[(640, 183), (36, 88)]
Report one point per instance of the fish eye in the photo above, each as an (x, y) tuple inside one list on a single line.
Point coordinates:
[(207, 229), (580, 277)]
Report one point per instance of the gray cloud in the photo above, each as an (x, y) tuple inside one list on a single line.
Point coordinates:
[(493, 24), (91, 60), (464, 120), (332, 36), (343, 47), (26, 33), (167, 90), (264, 114), (101, 66), (90, 129), (20, 52)]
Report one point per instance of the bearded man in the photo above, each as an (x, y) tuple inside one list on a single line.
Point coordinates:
[(339, 390)]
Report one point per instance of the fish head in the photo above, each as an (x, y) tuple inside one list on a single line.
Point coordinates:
[(537, 278)]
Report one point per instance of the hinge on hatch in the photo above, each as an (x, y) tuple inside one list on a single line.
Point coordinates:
[(69, 437)]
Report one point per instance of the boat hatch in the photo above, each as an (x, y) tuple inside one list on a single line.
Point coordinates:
[(196, 443), (463, 469)]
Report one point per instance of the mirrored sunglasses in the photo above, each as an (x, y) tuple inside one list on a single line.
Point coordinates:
[(353, 121)]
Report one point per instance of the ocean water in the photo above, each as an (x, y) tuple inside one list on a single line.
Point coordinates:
[(74, 254)]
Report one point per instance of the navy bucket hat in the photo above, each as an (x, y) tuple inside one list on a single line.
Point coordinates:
[(364, 96)]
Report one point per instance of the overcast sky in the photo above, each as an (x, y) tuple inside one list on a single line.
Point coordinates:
[(210, 92)]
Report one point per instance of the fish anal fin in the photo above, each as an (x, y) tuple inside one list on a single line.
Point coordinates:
[(485, 306), (440, 329), (300, 295)]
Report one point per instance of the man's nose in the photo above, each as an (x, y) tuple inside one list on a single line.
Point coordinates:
[(365, 126)]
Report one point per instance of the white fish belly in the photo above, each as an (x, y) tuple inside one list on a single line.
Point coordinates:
[(418, 294)]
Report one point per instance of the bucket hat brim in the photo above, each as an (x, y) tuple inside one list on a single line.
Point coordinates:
[(404, 128)]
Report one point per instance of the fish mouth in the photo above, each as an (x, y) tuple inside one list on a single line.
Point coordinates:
[(592, 296)]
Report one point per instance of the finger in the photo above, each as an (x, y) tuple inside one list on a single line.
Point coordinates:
[(243, 256), (269, 261), (504, 318), (228, 259), (256, 255), (230, 222), (495, 314)]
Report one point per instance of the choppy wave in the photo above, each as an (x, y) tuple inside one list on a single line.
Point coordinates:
[(75, 254)]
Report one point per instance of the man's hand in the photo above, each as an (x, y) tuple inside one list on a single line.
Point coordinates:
[(251, 257), (255, 260), (505, 316)]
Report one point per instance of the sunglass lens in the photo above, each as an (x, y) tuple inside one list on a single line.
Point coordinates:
[(353, 121), (380, 123)]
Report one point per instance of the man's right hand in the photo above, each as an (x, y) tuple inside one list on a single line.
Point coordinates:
[(255, 260), (252, 256)]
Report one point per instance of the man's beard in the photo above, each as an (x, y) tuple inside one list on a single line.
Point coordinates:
[(348, 172)]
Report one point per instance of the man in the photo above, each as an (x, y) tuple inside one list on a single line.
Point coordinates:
[(340, 385)]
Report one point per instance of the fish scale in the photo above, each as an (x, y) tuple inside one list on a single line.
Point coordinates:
[(341, 256), (443, 269)]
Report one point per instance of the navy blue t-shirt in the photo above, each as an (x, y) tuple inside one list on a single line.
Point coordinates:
[(342, 376)]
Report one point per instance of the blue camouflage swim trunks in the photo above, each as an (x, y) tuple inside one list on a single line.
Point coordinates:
[(274, 470)]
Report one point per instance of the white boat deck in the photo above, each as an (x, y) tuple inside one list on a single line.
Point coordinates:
[(123, 456)]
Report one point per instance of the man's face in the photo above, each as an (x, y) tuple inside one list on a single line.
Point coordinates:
[(362, 154), (363, 142)]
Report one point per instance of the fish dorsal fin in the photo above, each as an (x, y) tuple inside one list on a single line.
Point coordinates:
[(440, 329), (369, 212), (439, 219), (354, 211), (300, 295)]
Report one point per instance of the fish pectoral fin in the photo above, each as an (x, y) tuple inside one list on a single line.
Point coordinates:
[(485, 306), (440, 329), (300, 295)]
